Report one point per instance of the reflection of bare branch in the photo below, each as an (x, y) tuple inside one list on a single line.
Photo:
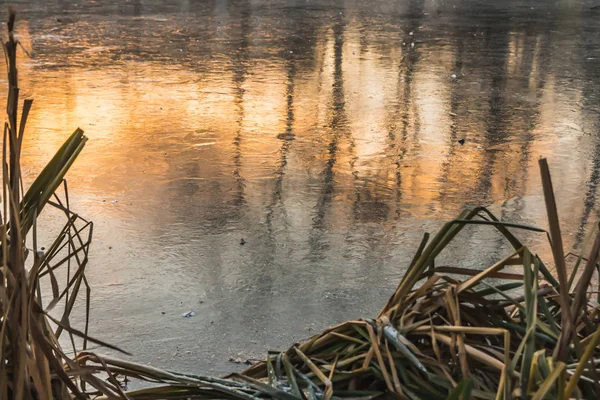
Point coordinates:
[(591, 102), (455, 100), (404, 107), (591, 196), (287, 139), (337, 125), (240, 71)]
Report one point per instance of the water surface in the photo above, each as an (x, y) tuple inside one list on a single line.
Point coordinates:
[(323, 133)]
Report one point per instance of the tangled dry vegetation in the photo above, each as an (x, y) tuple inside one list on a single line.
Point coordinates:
[(512, 330), (440, 337)]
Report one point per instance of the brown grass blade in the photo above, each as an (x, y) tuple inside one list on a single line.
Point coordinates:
[(560, 352)]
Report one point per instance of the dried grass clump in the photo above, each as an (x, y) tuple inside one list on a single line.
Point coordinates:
[(31, 363), (490, 335)]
